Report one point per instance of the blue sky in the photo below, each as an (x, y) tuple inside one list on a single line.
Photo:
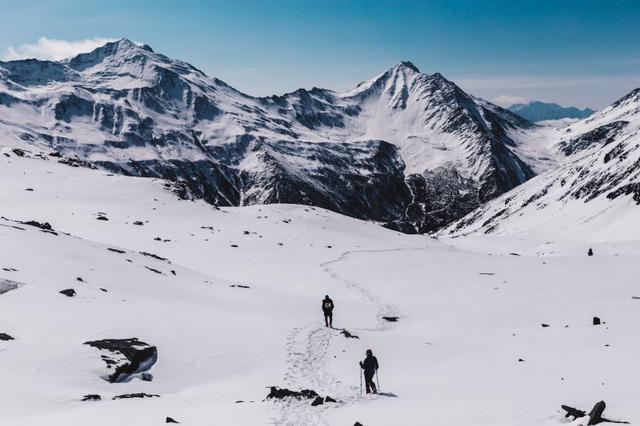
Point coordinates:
[(585, 53)]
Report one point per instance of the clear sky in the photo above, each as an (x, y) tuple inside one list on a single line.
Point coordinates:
[(583, 52)]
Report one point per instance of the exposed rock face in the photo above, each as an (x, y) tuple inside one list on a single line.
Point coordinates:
[(405, 148), (127, 356)]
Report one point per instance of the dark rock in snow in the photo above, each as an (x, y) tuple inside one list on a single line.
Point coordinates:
[(544, 325), (138, 223), (280, 393), (155, 256), (115, 250), (239, 286), (102, 218), (154, 270), (45, 226), (170, 420), (318, 401), (596, 321), (358, 424), (348, 335), (329, 399), (92, 397), (390, 319), (5, 337), (590, 252), (69, 292), (130, 356), (595, 415), (135, 395)]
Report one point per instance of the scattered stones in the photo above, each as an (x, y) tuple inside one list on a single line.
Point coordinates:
[(239, 286), (136, 395), (129, 356), (45, 226), (280, 393), (138, 223), (18, 152), (154, 270), (596, 321), (92, 397), (595, 416), (348, 335), (115, 250), (170, 420), (5, 337), (69, 292), (390, 319)]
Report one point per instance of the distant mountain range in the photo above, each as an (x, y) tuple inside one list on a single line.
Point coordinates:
[(535, 111), (407, 149)]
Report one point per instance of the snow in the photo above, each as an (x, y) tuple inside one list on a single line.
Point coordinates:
[(468, 310)]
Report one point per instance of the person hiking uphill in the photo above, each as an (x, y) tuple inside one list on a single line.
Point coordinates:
[(370, 366), (327, 308)]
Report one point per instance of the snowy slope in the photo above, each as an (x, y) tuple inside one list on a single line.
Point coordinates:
[(595, 193), (132, 111), (467, 314)]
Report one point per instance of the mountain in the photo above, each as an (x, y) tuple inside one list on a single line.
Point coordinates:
[(535, 111), (406, 149), (595, 191)]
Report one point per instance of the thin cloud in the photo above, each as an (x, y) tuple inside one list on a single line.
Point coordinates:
[(53, 49), (507, 100)]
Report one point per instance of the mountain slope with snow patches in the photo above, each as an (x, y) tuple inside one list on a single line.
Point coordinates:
[(130, 110), (595, 192)]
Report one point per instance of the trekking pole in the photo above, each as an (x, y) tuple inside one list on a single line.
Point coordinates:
[(360, 382), (377, 381)]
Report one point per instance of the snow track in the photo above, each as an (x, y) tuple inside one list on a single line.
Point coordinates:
[(307, 355)]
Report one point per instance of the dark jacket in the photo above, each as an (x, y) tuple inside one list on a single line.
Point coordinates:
[(327, 305), (370, 364)]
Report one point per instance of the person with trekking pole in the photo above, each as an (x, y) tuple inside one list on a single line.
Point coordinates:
[(370, 366)]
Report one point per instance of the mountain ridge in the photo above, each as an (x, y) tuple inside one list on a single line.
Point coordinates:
[(131, 110)]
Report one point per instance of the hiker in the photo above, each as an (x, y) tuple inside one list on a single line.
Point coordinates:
[(327, 308), (370, 366)]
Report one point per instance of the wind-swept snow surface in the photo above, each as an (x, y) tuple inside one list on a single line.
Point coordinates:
[(231, 300)]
